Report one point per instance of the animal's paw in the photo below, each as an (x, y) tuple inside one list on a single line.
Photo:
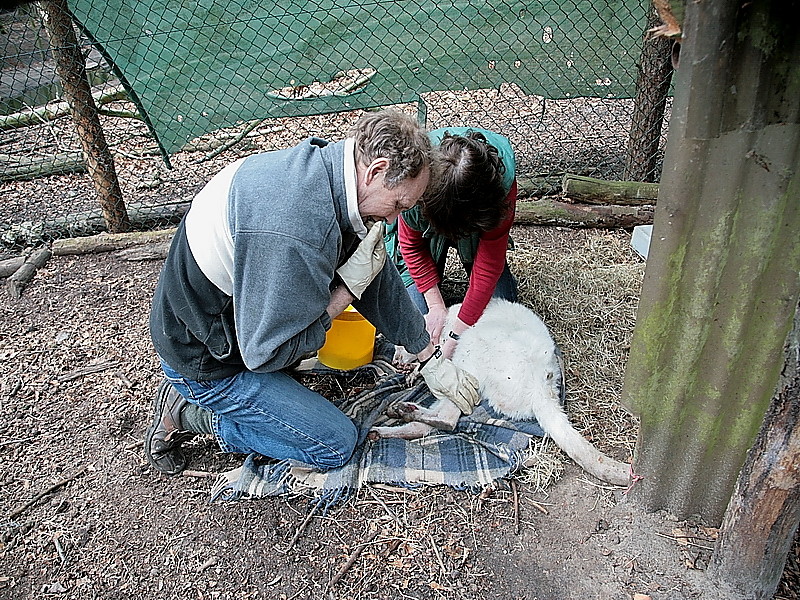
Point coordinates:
[(403, 360), (402, 410)]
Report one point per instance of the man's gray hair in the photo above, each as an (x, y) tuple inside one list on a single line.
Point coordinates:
[(396, 136)]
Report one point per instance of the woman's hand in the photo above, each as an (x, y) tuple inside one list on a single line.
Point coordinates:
[(435, 320)]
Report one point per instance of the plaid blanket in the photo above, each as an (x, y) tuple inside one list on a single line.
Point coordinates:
[(483, 448)]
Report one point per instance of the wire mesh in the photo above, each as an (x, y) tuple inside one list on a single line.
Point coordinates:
[(181, 89)]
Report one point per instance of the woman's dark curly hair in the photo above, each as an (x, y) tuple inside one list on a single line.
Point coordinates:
[(466, 194)]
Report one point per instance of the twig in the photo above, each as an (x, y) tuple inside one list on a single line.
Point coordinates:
[(109, 364), (438, 556), (252, 125), (515, 493), (190, 473), (539, 507), (353, 557), (17, 441), (389, 511), (18, 511), (683, 538), (301, 529)]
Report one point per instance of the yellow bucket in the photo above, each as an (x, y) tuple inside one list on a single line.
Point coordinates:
[(349, 342)]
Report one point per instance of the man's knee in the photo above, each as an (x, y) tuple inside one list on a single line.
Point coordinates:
[(338, 449)]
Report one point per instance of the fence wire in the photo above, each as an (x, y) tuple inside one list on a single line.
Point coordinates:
[(169, 92)]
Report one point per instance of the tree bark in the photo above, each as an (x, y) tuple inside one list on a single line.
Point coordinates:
[(652, 91), (71, 69), (759, 526), (599, 191)]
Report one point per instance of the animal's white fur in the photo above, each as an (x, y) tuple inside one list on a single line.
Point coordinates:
[(511, 353)]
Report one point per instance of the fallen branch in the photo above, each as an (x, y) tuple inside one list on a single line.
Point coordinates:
[(96, 368), (18, 511), (25, 167), (353, 558), (250, 126), (301, 529), (17, 282), (156, 251)]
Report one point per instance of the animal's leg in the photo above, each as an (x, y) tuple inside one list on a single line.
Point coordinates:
[(407, 431), (442, 414)]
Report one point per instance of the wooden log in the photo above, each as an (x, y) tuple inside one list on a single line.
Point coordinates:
[(17, 282), (157, 251), (9, 266), (50, 112), (553, 212), (539, 185), (108, 242), (90, 223), (24, 167), (599, 191)]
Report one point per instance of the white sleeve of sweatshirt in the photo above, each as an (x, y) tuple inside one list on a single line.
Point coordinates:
[(208, 229)]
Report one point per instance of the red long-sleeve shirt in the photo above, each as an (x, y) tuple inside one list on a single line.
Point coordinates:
[(490, 260)]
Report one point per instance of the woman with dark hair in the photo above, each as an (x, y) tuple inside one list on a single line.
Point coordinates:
[(470, 207)]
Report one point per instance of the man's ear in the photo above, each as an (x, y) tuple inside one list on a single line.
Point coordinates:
[(377, 167)]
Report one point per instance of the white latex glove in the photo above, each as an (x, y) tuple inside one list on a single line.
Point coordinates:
[(446, 381), (366, 262)]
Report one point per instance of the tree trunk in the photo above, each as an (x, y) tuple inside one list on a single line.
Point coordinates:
[(721, 285), (652, 91), (762, 517), (600, 191), (71, 69)]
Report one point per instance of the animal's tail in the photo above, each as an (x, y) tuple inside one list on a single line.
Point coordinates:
[(578, 448)]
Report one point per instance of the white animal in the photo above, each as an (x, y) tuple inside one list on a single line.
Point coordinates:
[(519, 368)]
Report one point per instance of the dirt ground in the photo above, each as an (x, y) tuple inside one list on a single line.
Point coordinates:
[(82, 515)]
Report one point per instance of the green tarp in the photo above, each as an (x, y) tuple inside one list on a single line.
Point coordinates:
[(194, 66)]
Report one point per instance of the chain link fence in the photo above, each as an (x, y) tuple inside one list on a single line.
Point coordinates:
[(114, 113)]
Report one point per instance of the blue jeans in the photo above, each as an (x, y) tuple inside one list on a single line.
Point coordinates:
[(506, 288), (273, 415)]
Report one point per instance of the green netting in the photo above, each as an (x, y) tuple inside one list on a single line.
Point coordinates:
[(196, 66)]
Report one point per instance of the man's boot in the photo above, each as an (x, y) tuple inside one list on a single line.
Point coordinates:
[(164, 436)]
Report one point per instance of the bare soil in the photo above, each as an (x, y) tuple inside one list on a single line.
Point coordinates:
[(82, 515)]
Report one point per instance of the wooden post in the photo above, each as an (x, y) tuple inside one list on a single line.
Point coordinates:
[(721, 284), (71, 69)]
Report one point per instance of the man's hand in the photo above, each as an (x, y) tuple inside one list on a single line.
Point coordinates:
[(447, 381), (366, 262)]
